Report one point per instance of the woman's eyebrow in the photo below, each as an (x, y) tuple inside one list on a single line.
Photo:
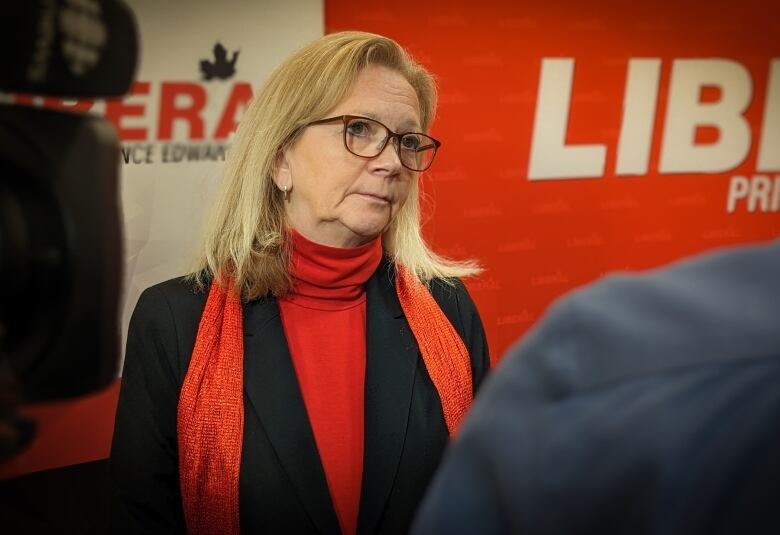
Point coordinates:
[(409, 125)]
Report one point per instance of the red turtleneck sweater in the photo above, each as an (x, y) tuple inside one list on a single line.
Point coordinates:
[(324, 320)]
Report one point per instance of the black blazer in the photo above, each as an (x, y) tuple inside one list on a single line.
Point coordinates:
[(282, 486)]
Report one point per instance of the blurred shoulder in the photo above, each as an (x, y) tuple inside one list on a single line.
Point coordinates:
[(706, 309), (701, 299)]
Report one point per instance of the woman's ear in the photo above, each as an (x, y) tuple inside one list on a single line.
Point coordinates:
[(282, 175)]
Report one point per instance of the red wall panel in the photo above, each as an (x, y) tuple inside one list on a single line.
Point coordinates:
[(538, 239)]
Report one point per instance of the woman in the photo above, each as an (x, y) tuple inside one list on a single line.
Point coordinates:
[(307, 376)]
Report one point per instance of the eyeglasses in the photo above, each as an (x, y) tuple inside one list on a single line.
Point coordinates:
[(367, 138)]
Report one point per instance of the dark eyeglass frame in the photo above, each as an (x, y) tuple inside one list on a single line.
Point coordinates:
[(345, 119)]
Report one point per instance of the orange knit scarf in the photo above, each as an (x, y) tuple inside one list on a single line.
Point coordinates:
[(211, 409)]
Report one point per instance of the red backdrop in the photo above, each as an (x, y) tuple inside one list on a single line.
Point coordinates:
[(538, 239)]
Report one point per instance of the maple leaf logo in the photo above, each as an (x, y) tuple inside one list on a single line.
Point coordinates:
[(221, 68)]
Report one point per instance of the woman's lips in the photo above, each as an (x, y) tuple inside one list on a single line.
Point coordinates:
[(376, 198)]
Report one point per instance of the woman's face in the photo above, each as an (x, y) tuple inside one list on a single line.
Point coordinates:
[(337, 198)]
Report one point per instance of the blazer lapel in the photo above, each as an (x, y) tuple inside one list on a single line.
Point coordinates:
[(271, 386), (391, 362)]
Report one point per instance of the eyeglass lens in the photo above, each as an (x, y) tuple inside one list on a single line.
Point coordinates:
[(367, 138)]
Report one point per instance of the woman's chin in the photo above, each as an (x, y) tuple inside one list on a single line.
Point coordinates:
[(367, 230)]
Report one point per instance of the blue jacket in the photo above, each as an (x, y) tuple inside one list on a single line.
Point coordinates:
[(642, 404)]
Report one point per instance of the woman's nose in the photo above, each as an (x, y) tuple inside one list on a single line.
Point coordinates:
[(388, 157)]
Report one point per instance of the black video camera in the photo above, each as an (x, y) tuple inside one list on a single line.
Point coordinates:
[(60, 228)]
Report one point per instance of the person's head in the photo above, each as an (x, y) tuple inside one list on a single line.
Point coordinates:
[(284, 172), (345, 176)]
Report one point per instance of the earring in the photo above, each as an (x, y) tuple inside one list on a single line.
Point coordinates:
[(286, 191)]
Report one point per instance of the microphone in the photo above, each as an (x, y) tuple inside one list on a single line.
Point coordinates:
[(68, 48)]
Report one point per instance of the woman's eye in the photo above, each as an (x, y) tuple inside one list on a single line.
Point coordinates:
[(410, 142), (358, 128)]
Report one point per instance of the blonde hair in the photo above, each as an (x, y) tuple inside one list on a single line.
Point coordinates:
[(245, 236)]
